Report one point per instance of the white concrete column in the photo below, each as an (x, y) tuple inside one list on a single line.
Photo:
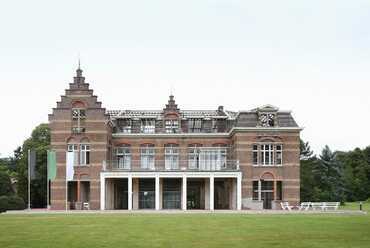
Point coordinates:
[(259, 190), (129, 192), (102, 192), (239, 192), (157, 192), (184, 192), (211, 192)]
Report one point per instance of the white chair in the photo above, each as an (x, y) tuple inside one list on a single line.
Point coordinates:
[(304, 206), (286, 206), (86, 206)]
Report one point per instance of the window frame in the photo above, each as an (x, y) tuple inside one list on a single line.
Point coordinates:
[(172, 155), (147, 156), (195, 125), (84, 154), (147, 125), (172, 125), (123, 156), (267, 154)]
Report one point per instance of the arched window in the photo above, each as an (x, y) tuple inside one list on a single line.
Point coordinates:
[(78, 117)]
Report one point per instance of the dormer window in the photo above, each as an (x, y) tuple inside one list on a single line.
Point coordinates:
[(195, 125), (172, 126), (124, 125), (267, 116), (267, 119), (148, 125)]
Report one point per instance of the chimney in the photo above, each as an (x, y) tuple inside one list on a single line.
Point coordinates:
[(220, 109)]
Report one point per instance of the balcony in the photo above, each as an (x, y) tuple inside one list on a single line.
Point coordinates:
[(163, 165)]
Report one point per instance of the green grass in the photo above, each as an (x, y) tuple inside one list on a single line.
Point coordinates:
[(356, 206), (184, 230)]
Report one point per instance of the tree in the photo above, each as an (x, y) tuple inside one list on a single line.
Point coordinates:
[(39, 141), (308, 163), (328, 175), (356, 174), (5, 179), (5, 184)]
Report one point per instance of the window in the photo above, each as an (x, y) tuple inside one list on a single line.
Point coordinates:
[(72, 147), (255, 155), (208, 158), (267, 154), (84, 154), (193, 156), (148, 125), (219, 156), (171, 157), (172, 126), (255, 190), (195, 125), (279, 190), (123, 155), (124, 125), (267, 119), (78, 115), (147, 156), (279, 155)]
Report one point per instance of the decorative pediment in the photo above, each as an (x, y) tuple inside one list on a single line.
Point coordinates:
[(268, 108)]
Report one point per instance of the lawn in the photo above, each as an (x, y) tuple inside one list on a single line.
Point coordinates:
[(356, 206), (184, 230)]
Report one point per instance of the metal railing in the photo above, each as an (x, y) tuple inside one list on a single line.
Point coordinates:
[(163, 165)]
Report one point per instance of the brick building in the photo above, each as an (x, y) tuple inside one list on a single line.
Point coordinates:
[(171, 158)]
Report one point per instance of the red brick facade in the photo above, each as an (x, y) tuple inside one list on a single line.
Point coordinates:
[(238, 131)]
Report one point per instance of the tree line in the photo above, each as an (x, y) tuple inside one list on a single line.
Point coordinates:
[(335, 176), (329, 176)]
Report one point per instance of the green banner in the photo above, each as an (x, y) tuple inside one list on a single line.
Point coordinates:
[(52, 165)]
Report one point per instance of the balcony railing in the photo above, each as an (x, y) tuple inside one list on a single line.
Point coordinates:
[(163, 165)]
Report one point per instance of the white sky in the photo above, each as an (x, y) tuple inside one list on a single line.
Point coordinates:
[(312, 57)]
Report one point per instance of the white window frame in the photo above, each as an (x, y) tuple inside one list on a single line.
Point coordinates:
[(279, 152), (147, 125), (84, 154), (193, 156), (78, 114), (147, 157), (213, 158), (172, 126), (267, 154), (123, 155), (171, 152)]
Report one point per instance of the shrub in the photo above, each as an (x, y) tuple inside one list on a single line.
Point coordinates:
[(3, 203), (15, 203)]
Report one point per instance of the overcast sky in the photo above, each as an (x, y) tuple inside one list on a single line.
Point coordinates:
[(311, 57)]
